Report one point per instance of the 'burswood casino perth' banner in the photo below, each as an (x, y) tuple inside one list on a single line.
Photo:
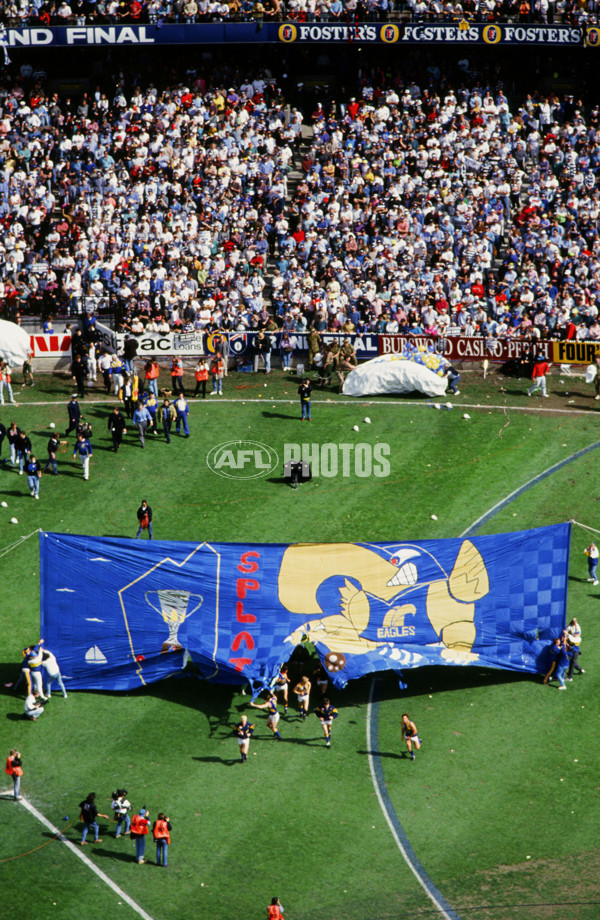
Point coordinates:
[(464, 347), (118, 613)]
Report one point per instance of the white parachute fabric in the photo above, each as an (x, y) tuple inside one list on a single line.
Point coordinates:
[(396, 374), (14, 343)]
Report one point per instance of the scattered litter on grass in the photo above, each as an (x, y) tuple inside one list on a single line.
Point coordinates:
[(434, 517), (14, 521), (355, 428), (367, 420)]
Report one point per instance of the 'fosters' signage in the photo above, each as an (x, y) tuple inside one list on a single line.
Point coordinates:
[(310, 32)]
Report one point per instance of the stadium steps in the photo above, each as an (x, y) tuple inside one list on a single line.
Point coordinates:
[(293, 178)]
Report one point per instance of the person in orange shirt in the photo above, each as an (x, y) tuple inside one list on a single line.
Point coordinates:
[(162, 836), (275, 910), (177, 376), (201, 375), (151, 372), (14, 768), (139, 831), (540, 369)]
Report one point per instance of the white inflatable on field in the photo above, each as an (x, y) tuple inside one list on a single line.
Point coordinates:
[(395, 374), (590, 373), (14, 343)]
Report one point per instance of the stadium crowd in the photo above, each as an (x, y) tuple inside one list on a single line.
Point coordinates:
[(88, 12), (415, 209)]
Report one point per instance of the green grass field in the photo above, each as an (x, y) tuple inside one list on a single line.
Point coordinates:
[(500, 807)]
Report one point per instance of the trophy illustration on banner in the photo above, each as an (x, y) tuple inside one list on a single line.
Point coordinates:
[(174, 607)]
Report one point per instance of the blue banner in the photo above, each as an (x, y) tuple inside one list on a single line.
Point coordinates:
[(118, 613), (411, 33)]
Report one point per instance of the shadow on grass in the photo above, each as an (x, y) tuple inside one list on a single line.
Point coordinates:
[(286, 415), (111, 854), (401, 756), (225, 761)]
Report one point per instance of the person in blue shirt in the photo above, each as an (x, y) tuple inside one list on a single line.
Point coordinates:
[(141, 419), (560, 661), (244, 730), (74, 415), (183, 410), (83, 448), (152, 407), (167, 413), (33, 656), (34, 473), (326, 713), (273, 717), (410, 735)]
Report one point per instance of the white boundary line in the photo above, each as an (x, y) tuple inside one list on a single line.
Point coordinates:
[(408, 858), (85, 859), (407, 403)]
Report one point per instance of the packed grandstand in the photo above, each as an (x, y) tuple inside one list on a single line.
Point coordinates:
[(203, 200), (88, 12)]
